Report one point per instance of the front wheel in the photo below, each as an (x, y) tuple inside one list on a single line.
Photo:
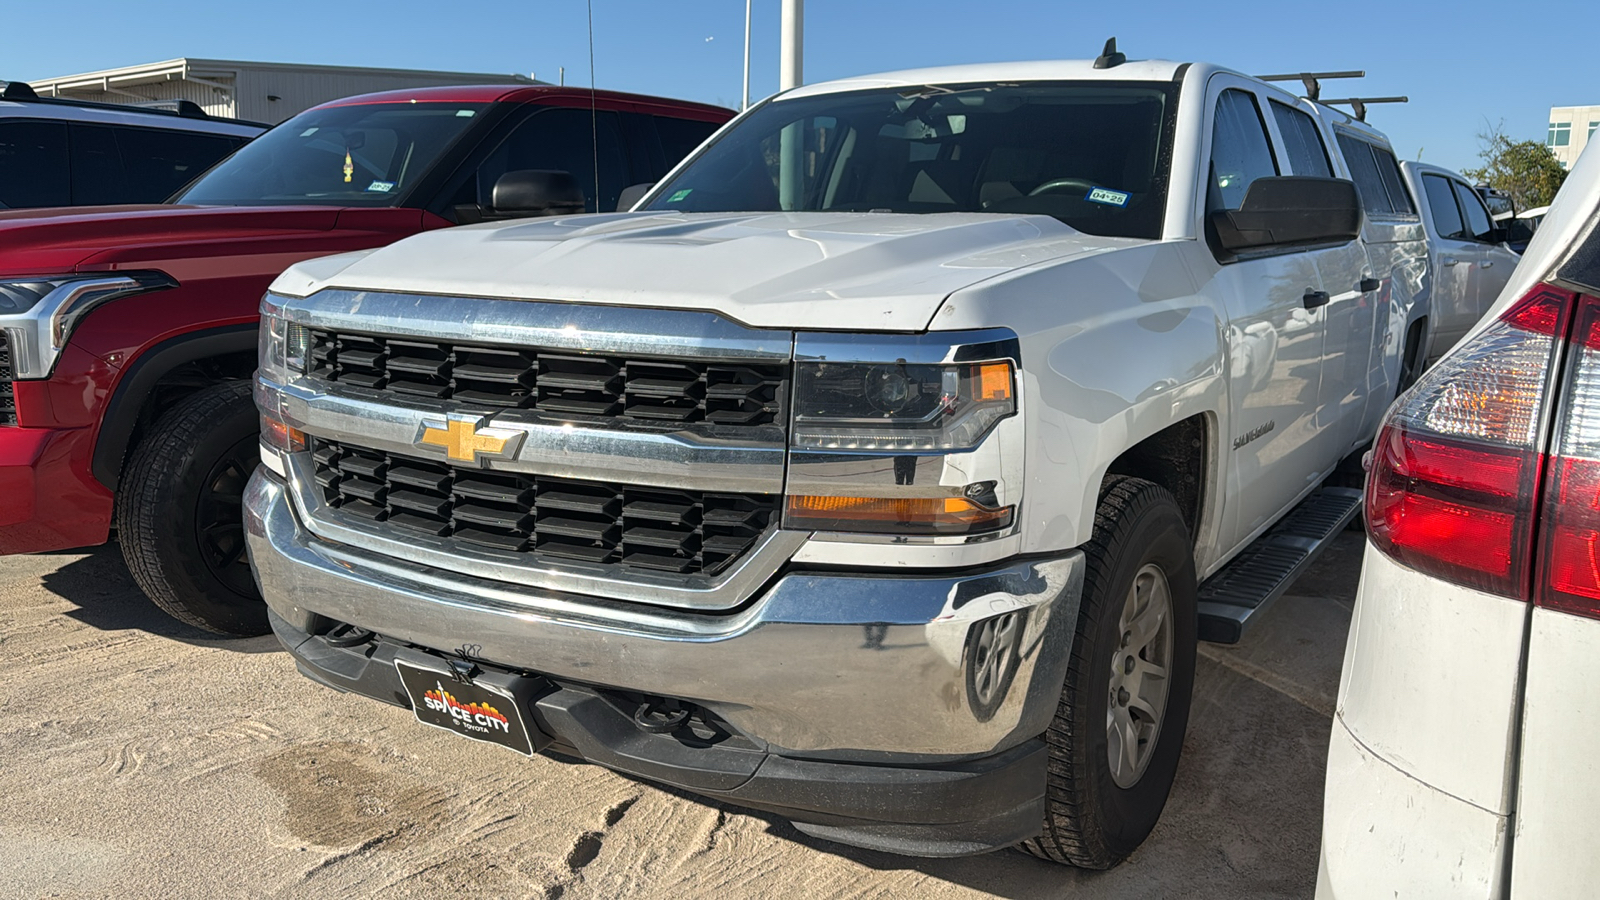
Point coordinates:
[(1118, 731), (180, 512)]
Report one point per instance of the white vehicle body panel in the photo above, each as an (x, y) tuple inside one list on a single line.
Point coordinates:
[(1558, 781), (1430, 680), (1423, 844)]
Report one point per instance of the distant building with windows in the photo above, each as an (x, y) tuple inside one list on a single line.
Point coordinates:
[(1571, 127), (262, 92)]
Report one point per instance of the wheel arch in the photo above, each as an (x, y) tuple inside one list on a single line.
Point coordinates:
[(161, 375), (1180, 458)]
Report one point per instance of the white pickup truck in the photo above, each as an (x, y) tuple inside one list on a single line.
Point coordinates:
[(880, 469)]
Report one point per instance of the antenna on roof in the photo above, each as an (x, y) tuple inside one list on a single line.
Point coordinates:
[(18, 90), (1359, 104), (1313, 80), (1109, 58)]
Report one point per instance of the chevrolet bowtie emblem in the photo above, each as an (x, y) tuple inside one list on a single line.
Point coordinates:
[(465, 441)]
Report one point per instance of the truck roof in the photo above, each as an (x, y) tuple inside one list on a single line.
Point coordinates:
[(512, 93), (1040, 70)]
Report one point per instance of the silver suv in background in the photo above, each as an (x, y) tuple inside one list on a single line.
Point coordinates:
[(1468, 260), (76, 153)]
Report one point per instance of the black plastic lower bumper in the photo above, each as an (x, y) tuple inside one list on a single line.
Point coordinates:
[(953, 809)]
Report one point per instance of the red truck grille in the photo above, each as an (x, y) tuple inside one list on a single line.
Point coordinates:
[(8, 396), (662, 529), (566, 383)]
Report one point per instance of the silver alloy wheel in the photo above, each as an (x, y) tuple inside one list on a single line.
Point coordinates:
[(1139, 665)]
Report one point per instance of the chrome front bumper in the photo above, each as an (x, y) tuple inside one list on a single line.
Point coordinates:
[(830, 665)]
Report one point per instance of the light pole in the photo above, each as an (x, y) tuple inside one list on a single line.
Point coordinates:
[(789, 48), (746, 103)]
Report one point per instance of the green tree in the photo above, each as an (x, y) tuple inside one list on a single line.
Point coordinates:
[(1526, 170)]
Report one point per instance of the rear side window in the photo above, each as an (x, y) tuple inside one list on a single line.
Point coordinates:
[(97, 174), (159, 162), (1240, 151), (1479, 228), (1302, 141), (33, 164), (680, 136), (1377, 175), (1442, 206)]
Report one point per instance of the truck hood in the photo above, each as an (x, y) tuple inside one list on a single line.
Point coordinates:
[(37, 241), (845, 271)]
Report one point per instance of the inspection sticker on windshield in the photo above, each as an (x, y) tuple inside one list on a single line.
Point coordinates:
[(382, 187), (1108, 197), (679, 195)]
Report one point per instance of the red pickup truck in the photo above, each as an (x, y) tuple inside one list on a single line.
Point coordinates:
[(128, 333)]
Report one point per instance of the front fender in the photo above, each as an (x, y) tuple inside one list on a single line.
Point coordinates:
[(1115, 348)]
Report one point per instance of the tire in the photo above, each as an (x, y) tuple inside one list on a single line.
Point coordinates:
[(179, 512), (1091, 820)]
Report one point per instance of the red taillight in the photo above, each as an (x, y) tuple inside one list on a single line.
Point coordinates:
[(1457, 464), (1569, 561)]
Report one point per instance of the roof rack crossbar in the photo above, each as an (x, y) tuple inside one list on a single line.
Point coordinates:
[(1313, 80), (1359, 104)]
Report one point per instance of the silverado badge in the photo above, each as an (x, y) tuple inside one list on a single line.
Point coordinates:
[(466, 439)]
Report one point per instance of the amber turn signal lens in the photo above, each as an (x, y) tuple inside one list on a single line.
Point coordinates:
[(279, 436), (893, 515), (994, 381)]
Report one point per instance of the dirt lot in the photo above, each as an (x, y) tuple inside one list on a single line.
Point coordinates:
[(144, 759)]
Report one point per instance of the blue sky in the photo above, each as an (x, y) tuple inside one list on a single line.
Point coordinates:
[(1464, 63)]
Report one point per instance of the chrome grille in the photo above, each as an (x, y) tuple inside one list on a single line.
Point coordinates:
[(659, 529), (664, 391), (8, 396)]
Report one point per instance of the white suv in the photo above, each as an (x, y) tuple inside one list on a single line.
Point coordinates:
[(1465, 757), (74, 153)]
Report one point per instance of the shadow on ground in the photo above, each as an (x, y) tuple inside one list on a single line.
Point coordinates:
[(106, 598)]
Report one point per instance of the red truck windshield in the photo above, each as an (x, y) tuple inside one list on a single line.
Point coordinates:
[(362, 155)]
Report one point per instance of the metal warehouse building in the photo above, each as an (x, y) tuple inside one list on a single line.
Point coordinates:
[(262, 92)]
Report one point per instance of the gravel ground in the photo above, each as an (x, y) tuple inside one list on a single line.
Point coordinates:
[(142, 758)]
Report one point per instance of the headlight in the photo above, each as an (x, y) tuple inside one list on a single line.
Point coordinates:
[(899, 405), (891, 434), (38, 314), (283, 346)]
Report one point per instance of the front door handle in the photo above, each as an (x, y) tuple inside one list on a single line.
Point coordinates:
[(1450, 260), (1314, 299), (1368, 285)]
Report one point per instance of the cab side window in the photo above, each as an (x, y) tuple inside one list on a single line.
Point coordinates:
[(33, 164), (1442, 205), (1479, 226), (1302, 141), (1240, 150), (564, 139)]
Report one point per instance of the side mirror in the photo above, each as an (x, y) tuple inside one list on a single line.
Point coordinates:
[(632, 194), (1288, 211), (536, 192), (1499, 234)]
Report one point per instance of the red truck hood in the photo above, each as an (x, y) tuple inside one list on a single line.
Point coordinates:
[(53, 241)]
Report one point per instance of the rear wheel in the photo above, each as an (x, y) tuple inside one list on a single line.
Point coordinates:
[(180, 512), (1118, 731)]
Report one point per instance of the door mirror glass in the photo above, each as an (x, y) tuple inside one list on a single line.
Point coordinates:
[(536, 192), (1290, 211)]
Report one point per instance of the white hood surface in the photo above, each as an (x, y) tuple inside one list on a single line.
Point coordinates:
[(835, 271)]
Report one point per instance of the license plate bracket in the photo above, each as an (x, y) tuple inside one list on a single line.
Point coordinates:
[(490, 707)]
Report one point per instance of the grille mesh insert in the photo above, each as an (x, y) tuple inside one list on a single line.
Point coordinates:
[(659, 529), (668, 392)]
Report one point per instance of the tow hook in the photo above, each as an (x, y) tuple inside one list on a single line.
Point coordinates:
[(660, 717)]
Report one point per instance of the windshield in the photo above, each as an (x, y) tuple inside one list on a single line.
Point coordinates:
[(359, 155), (1094, 155)]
